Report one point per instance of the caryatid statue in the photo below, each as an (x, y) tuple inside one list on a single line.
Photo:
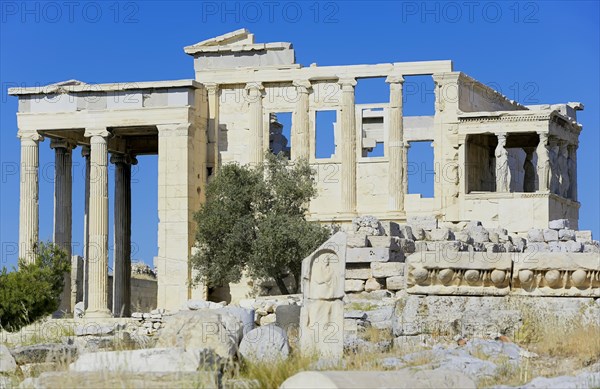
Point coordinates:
[(502, 167)]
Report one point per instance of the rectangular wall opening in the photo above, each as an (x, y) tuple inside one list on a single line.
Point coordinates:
[(418, 96), (420, 168), (372, 125), (371, 91), (325, 125), (280, 130)]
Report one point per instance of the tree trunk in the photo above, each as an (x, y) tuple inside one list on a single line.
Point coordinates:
[(281, 285)]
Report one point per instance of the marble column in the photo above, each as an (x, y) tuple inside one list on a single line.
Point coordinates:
[(63, 182), (29, 196), (572, 162), (348, 142), (98, 222), (396, 145), (300, 132), (212, 90), (122, 235), (85, 153), (543, 163), (406, 146), (256, 142)]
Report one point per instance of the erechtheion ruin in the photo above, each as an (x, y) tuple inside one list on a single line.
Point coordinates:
[(496, 161)]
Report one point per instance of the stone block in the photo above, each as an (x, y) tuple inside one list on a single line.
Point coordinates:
[(418, 232), (357, 240), (359, 273), (425, 222), (409, 378), (395, 283), (519, 242), (8, 364), (440, 234), (387, 269), (571, 246), (591, 248), (557, 274), (550, 235), (267, 319), (420, 246), (407, 246), (368, 224), (494, 237), (479, 234), (387, 242), (45, 352), (406, 232), (287, 316), (460, 273), (354, 285), (463, 236), (555, 247), (535, 235), (372, 254), (584, 236), (391, 228), (566, 234), (372, 284), (558, 224)]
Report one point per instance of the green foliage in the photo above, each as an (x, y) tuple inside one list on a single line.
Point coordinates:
[(254, 219), (34, 290)]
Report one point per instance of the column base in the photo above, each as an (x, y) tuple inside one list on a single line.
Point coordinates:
[(99, 314)]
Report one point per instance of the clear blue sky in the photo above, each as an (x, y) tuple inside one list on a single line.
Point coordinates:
[(534, 52)]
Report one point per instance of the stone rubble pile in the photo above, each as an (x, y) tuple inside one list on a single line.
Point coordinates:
[(376, 250), (267, 308), (147, 323)]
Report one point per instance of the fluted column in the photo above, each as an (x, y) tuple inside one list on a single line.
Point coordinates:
[(348, 130), (212, 90), (396, 145), (543, 163), (98, 222), (63, 182), (85, 153), (256, 143), (122, 235), (29, 196), (572, 162), (300, 134)]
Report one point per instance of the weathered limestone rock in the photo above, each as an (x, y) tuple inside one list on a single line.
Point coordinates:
[(367, 225), (535, 235), (244, 315), (479, 234), (406, 378), (265, 344), (202, 329), (583, 236), (427, 223), (558, 224), (463, 236), (387, 269), (354, 285), (138, 361), (267, 319), (359, 273), (372, 284), (8, 364), (407, 246), (537, 247), (386, 242), (566, 234), (44, 352), (406, 232), (440, 234), (358, 240), (193, 305), (391, 228), (323, 290), (461, 273), (571, 246), (395, 283), (550, 235), (557, 274)]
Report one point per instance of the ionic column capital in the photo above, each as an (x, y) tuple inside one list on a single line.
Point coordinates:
[(30, 137), (62, 144), (347, 83), (254, 86), (127, 159), (394, 79), (303, 86), (97, 132), (211, 87)]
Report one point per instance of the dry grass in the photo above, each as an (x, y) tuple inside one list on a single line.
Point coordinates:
[(271, 374)]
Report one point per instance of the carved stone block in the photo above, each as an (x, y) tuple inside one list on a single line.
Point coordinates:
[(557, 274), (459, 273)]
